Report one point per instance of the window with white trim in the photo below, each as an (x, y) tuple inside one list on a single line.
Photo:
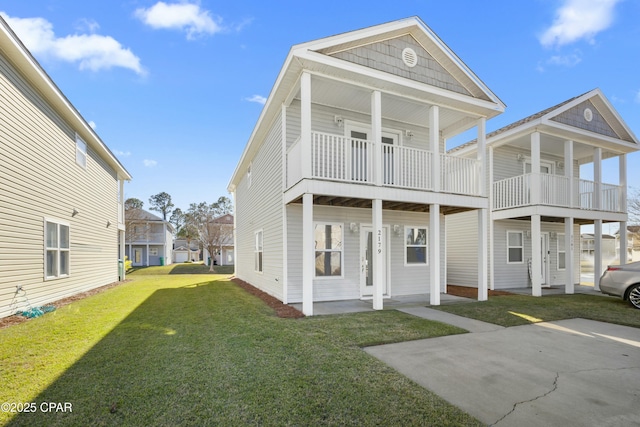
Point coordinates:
[(561, 252), (56, 242), (415, 244), (81, 152), (328, 249), (258, 251), (515, 247)]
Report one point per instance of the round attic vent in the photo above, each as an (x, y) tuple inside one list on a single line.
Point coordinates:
[(409, 57), (588, 114)]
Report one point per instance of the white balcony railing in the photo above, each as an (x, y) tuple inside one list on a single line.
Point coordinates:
[(339, 158), (556, 190)]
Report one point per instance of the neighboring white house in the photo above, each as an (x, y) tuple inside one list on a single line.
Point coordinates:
[(149, 239), (184, 251), (344, 185), (540, 196), (225, 253), (61, 195)]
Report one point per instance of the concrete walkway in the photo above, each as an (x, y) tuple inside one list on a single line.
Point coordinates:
[(567, 373)]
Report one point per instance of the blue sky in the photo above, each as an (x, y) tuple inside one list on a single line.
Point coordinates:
[(175, 88)]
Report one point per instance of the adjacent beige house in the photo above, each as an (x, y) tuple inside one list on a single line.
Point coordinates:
[(149, 239), (61, 196)]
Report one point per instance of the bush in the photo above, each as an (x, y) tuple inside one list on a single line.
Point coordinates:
[(128, 264)]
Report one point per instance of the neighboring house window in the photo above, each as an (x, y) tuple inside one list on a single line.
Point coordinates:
[(153, 251), (328, 245), (515, 247), (258, 251), (561, 252), (56, 242), (81, 152), (415, 245)]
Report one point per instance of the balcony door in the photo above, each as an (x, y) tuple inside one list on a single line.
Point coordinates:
[(361, 154)]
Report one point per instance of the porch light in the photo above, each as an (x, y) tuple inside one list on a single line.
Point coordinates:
[(338, 120), (553, 234), (74, 213), (408, 133), (353, 227), (396, 229), (520, 157), (528, 233)]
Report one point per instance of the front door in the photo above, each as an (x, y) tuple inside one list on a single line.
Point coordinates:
[(137, 257), (544, 256), (366, 261)]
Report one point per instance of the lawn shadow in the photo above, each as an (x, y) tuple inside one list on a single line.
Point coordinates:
[(153, 368)]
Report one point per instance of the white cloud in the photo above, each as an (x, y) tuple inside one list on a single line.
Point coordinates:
[(579, 19), (257, 99), (122, 153), (149, 163), (90, 51), (180, 16), (92, 124), (565, 60)]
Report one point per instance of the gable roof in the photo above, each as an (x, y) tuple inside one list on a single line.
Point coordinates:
[(146, 216), (20, 57), (564, 120), (444, 80)]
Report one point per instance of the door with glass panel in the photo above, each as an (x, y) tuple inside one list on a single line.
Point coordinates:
[(369, 243)]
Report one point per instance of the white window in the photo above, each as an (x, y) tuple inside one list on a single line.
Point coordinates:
[(561, 252), (81, 152), (258, 251), (56, 242), (328, 245), (415, 244), (515, 247)]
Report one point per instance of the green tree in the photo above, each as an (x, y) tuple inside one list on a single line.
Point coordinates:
[(133, 203), (212, 234), (177, 219), (161, 202), (189, 233)]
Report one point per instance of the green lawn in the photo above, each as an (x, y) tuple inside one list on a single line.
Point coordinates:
[(187, 349), (513, 310)]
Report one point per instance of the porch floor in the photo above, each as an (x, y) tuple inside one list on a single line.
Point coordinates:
[(422, 300)]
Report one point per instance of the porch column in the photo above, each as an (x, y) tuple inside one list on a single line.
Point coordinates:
[(147, 252), (568, 172), (305, 124), (434, 145), (536, 257), (622, 170), (307, 254), (434, 254), (376, 135), (597, 178), (597, 254), (568, 255), (483, 252), (535, 169), (482, 156), (379, 253), (491, 243)]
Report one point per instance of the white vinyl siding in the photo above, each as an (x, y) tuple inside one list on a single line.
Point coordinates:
[(42, 180), (515, 247), (462, 249)]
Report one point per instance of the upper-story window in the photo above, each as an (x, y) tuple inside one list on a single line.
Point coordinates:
[(81, 152)]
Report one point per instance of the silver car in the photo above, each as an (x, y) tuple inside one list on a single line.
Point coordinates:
[(622, 281)]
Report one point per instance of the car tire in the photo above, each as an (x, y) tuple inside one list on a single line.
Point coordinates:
[(633, 296)]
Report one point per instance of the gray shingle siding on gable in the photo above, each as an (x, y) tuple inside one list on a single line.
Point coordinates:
[(575, 117), (387, 56)]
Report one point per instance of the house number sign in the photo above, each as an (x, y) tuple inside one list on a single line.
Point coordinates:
[(379, 241)]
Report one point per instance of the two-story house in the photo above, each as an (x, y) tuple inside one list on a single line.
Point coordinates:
[(149, 239), (545, 175), (343, 187), (61, 195)]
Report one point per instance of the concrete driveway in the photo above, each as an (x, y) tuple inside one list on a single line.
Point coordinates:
[(566, 373)]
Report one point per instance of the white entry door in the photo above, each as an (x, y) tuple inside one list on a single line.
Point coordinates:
[(367, 246), (137, 257), (544, 256)]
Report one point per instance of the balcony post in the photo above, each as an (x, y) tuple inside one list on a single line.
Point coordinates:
[(434, 254), (305, 125), (482, 156), (491, 207), (434, 146), (568, 171), (597, 178), (622, 207), (376, 135), (535, 168)]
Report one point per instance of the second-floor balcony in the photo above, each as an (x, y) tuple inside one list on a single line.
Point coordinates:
[(556, 190), (343, 159)]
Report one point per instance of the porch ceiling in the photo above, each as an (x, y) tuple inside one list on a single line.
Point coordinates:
[(350, 202), (350, 97)]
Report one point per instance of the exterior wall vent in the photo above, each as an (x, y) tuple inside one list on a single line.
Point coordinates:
[(409, 57), (588, 114)]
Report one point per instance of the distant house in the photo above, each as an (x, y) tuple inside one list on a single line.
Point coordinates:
[(149, 239), (225, 253), (184, 251), (61, 194)]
